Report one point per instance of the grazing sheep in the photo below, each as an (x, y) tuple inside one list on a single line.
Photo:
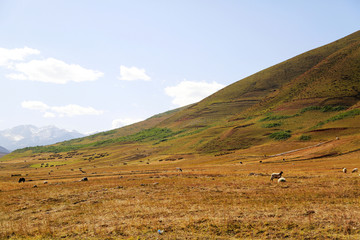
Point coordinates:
[(84, 179), (276, 175), (21, 179), (281, 180), (344, 170), (355, 170)]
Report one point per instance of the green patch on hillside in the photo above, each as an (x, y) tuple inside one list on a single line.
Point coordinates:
[(148, 135), (271, 125), (52, 148), (280, 135), (351, 113), (341, 116), (305, 138), (323, 108), (277, 117)]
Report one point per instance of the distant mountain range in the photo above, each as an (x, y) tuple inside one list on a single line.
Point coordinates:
[(29, 136), (3, 151)]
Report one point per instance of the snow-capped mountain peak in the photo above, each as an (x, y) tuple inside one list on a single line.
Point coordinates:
[(29, 135)]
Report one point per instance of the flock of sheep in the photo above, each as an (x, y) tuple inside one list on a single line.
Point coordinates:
[(282, 179), (273, 176)]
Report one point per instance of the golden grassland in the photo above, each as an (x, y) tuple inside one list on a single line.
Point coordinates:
[(214, 197)]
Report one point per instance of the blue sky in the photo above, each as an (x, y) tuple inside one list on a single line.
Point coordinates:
[(91, 65)]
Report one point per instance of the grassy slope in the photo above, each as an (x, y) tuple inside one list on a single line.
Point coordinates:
[(325, 76), (249, 91)]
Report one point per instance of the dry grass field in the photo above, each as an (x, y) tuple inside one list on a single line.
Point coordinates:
[(212, 198)]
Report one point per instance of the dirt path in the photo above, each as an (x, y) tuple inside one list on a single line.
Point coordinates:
[(299, 149)]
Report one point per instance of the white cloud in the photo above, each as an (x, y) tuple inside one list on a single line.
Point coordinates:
[(75, 110), (132, 74), (8, 56), (188, 92), (124, 121), (49, 115), (16, 76), (53, 71), (60, 111), (35, 105)]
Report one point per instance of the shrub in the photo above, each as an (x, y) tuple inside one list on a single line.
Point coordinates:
[(351, 113), (280, 135), (304, 137), (275, 117), (271, 125), (323, 109)]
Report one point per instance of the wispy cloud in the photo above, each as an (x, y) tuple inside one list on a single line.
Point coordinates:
[(52, 70), (124, 122), (9, 56), (60, 111), (133, 74), (187, 92)]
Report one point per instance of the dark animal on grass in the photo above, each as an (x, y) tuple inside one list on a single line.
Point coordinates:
[(21, 180), (276, 175), (84, 179)]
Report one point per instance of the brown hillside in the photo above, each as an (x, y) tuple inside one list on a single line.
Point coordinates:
[(309, 75)]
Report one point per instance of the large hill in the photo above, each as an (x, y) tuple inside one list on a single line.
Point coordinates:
[(311, 98)]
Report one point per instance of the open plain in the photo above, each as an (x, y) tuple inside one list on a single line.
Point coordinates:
[(214, 197)]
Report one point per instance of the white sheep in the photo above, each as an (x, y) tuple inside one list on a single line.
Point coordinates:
[(344, 170), (276, 175), (282, 179), (355, 170)]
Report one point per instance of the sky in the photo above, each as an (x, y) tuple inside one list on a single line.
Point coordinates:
[(96, 65)]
